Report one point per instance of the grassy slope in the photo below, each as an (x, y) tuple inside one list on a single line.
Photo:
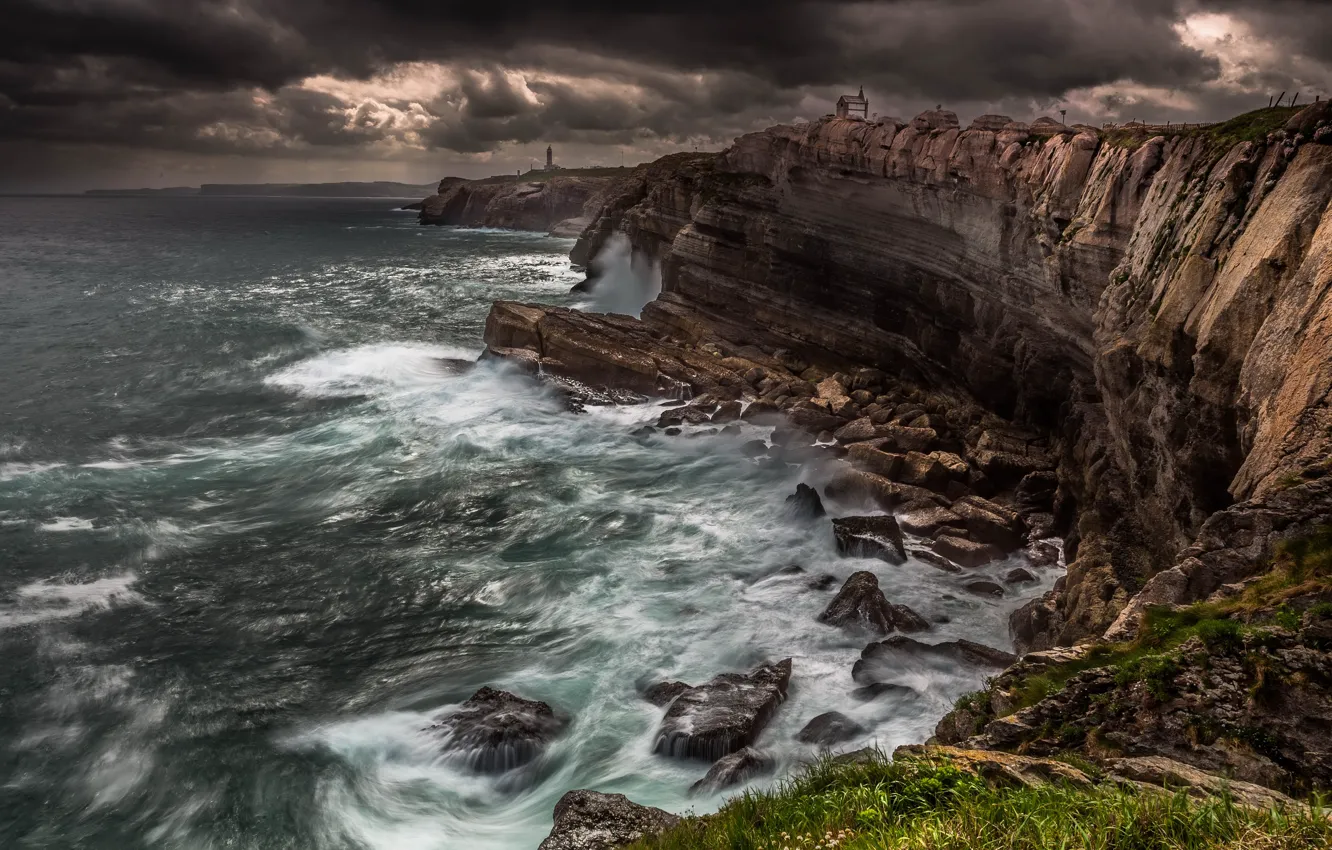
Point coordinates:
[(916, 805)]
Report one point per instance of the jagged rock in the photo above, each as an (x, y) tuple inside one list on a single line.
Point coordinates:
[(724, 715), (590, 820), (805, 502), (926, 521), (859, 605), (495, 730), (728, 771), (869, 537), (993, 123), (830, 728), (966, 553)]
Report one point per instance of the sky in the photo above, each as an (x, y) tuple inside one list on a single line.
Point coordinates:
[(130, 93)]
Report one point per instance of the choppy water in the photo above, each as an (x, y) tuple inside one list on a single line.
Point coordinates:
[(254, 540)]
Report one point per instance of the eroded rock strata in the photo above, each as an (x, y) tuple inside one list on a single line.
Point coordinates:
[(1116, 336)]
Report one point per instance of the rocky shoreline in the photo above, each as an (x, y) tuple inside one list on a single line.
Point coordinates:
[(1109, 345)]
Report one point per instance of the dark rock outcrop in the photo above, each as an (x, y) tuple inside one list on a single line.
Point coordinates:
[(495, 731), (590, 820), (830, 728), (805, 502), (734, 769), (870, 537), (724, 715), (883, 660)]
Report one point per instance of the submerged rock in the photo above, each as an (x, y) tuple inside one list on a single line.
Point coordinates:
[(590, 820), (870, 537), (724, 715), (967, 553), (830, 728), (495, 730), (737, 768)]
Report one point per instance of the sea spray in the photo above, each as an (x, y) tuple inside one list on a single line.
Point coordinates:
[(622, 280)]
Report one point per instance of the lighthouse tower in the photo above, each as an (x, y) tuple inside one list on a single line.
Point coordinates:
[(550, 158)]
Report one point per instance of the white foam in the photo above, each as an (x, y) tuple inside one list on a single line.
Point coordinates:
[(67, 523), (11, 471), (46, 600), (369, 370)]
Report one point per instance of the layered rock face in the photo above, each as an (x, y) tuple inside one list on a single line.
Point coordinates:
[(1157, 305), (562, 206)]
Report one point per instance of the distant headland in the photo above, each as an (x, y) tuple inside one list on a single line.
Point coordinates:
[(377, 189)]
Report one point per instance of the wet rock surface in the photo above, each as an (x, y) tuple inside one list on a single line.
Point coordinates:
[(590, 820), (735, 769), (870, 537), (830, 728), (724, 715), (495, 730)]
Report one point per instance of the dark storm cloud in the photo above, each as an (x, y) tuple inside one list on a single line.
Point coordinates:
[(217, 75)]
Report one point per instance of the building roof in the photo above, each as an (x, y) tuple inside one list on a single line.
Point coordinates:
[(852, 98)]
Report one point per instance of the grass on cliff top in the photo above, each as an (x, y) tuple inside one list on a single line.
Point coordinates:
[(1300, 567), (1249, 127), (919, 805), (543, 176)]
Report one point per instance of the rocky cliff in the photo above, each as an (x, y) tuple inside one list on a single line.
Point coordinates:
[(1156, 302), (562, 206)]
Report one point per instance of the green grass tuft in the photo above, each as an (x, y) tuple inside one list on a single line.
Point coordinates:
[(918, 805)]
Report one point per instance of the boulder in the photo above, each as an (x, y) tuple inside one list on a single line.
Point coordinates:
[(590, 820), (869, 537), (830, 388), (903, 439), (861, 605), (935, 119), (874, 460), (495, 730), (1019, 576), (805, 502), (928, 520), (856, 431), (830, 728), (964, 552), (956, 466), (906, 620), (984, 588), (988, 522), (754, 448), (921, 470), (724, 715), (887, 658), (737, 768)]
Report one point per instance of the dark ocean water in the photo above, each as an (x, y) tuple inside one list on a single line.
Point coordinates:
[(255, 538)]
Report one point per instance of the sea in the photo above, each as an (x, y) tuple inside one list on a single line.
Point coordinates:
[(259, 532)]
